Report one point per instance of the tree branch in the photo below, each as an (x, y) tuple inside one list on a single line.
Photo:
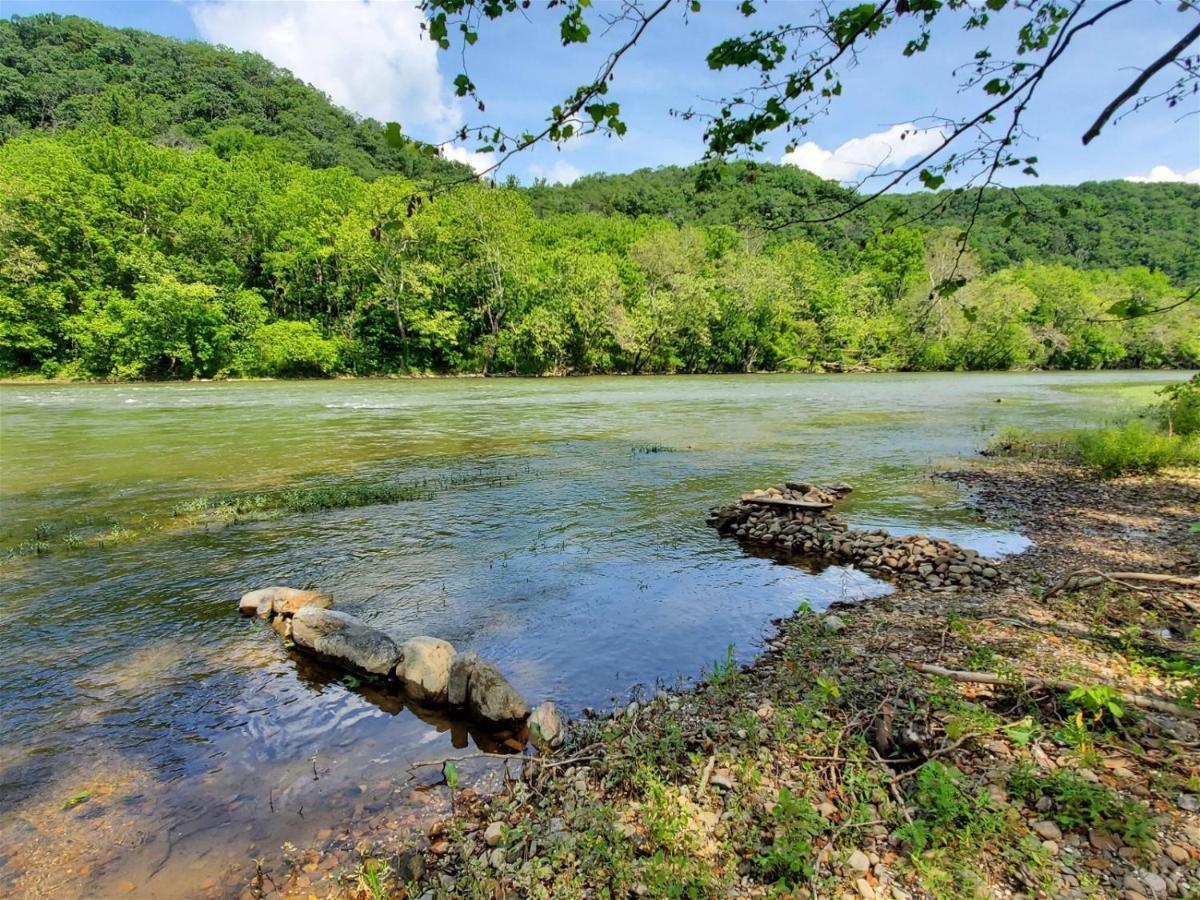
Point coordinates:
[(1138, 83)]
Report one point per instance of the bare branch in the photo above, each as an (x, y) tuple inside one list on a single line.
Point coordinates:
[(1138, 83)]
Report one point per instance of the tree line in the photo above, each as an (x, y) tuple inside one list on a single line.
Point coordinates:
[(126, 258)]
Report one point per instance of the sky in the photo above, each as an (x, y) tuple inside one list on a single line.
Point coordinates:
[(372, 58)]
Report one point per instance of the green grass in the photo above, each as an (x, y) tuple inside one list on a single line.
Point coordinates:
[(1134, 448), (1079, 803)]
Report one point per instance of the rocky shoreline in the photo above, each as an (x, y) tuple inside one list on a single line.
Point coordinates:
[(795, 517), (425, 669), (836, 766)]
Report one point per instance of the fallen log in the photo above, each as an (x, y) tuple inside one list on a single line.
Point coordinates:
[(1082, 578), (783, 501), (1138, 700)]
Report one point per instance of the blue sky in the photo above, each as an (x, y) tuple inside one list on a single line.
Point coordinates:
[(371, 58)]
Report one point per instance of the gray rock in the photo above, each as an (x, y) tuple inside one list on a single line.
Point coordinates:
[(424, 668), (460, 673), (344, 639), (833, 623), (546, 726)]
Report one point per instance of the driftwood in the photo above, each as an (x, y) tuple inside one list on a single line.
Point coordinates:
[(783, 501), (1139, 700), (1092, 577)]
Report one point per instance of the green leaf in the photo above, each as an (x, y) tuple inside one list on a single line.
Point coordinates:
[(931, 181), (451, 772)]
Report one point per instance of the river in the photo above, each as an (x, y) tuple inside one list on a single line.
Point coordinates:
[(154, 742)]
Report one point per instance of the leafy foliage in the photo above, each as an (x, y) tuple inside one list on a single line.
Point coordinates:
[(65, 71)]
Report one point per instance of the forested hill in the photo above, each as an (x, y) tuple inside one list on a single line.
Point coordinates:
[(61, 72), (1097, 225)]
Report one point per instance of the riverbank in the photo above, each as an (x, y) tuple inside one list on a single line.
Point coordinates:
[(33, 378), (832, 766)]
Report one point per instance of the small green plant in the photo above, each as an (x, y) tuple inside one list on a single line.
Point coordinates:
[(724, 674), (790, 857), (1097, 699), (372, 877), (1079, 803)]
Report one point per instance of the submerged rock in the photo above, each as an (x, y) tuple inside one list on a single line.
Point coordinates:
[(546, 726), (486, 694), (344, 639), (424, 668)]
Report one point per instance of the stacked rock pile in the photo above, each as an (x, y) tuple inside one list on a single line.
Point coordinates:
[(426, 668), (795, 518)]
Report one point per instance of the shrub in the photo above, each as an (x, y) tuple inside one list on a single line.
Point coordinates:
[(1134, 447), (288, 348), (1181, 407)]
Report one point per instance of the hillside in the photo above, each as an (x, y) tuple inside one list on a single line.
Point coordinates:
[(65, 72), (1097, 225)]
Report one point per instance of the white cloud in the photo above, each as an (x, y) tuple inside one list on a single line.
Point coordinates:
[(480, 162), (371, 58), (1166, 173), (860, 156), (559, 173)]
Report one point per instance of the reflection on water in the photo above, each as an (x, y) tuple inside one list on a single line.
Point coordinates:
[(153, 740)]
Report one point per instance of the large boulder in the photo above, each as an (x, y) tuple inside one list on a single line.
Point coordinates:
[(545, 725), (281, 601), (344, 639), (486, 694), (424, 668)]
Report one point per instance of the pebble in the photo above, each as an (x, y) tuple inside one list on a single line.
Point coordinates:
[(859, 861), (865, 889), (1050, 847), (1047, 831), (1177, 854), (1188, 802), (494, 834), (1156, 883)]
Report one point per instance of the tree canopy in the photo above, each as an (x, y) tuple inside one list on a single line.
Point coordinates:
[(67, 72)]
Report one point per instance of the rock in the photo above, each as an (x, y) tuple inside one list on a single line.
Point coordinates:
[(497, 858), (344, 639), (424, 668), (460, 673), (1177, 854), (833, 623), (546, 725), (486, 694), (279, 600), (1103, 840), (1050, 847), (494, 834), (410, 866), (827, 809), (288, 602), (1047, 831), (1156, 883), (250, 602), (283, 626), (859, 862), (865, 889), (1189, 802), (722, 780)]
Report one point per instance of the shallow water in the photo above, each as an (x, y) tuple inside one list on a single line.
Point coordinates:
[(551, 543)]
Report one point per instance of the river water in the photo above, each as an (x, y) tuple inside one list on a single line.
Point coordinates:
[(153, 742)]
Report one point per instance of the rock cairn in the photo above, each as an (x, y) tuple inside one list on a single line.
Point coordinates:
[(427, 669), (795, 518)]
